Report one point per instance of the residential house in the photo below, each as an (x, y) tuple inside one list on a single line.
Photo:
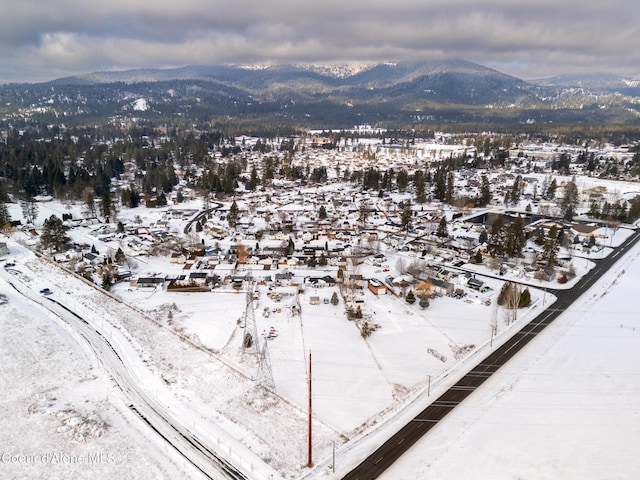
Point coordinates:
[(150, 282), (93, 258), (377, 287), (198, 278), (585, 230), (325, 281), (178, 257), (475, 283)]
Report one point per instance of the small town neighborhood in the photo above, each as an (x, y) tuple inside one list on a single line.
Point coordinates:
[(304, 241), (392, 288), (339, 225)]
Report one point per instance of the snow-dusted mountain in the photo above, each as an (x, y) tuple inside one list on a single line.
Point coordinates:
[(442, 91)]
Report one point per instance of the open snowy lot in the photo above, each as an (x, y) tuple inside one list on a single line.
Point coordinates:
[(61, 416), (568, 406)]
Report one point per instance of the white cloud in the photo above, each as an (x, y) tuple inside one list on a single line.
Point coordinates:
[(540, 38)]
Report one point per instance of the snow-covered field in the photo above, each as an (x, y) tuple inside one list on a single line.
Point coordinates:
[(60, 417), (219, 398), (362, 389), (568, 406)]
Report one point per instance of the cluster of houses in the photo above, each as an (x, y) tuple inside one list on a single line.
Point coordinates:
[(291, 258), (311, 252), (287, 231)]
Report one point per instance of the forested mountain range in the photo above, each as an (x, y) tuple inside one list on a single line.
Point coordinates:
[(390, 94)]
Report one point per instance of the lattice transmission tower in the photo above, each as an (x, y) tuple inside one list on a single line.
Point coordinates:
[(265, 375), (250, 334), (251, 340)]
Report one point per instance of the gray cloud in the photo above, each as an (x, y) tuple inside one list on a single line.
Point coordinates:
[(44, 40)]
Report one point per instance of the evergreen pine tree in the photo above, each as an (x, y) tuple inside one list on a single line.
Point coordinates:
[(410, 298), (550, 247), (514, 197), (551, 190), (53, 234), (485, 192), (442, 231), (515, 238), (90, 202), (495, 242), (420, 186), (5, 217), (504, 293), (107, 280), (334, 299), (120, 257), (448, 195), (406, 216), (105, 206), (525, 299), (483, 237), (569, 200), (232, 216), (161, 201)]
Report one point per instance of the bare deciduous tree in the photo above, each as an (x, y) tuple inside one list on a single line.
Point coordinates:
[(416, 267), (402, 266)]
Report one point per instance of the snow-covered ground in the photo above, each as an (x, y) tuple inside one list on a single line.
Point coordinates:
[(363, 389), (60, 416), (568, 406)]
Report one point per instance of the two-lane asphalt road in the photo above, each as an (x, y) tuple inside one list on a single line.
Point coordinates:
[(408, 435)]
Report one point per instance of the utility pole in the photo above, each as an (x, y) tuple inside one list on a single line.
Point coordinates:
[(429, 387), (333, 460), (310, 458)]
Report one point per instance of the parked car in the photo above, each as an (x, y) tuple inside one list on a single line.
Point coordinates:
[(46, 291)]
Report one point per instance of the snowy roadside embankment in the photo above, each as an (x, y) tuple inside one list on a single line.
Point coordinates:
[(61, 418), (217, 401)]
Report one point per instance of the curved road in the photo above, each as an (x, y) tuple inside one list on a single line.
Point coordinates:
[(200, 215), (159, 417), (400, 442)]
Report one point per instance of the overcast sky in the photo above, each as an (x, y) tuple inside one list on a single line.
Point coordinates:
[(42, 40)]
